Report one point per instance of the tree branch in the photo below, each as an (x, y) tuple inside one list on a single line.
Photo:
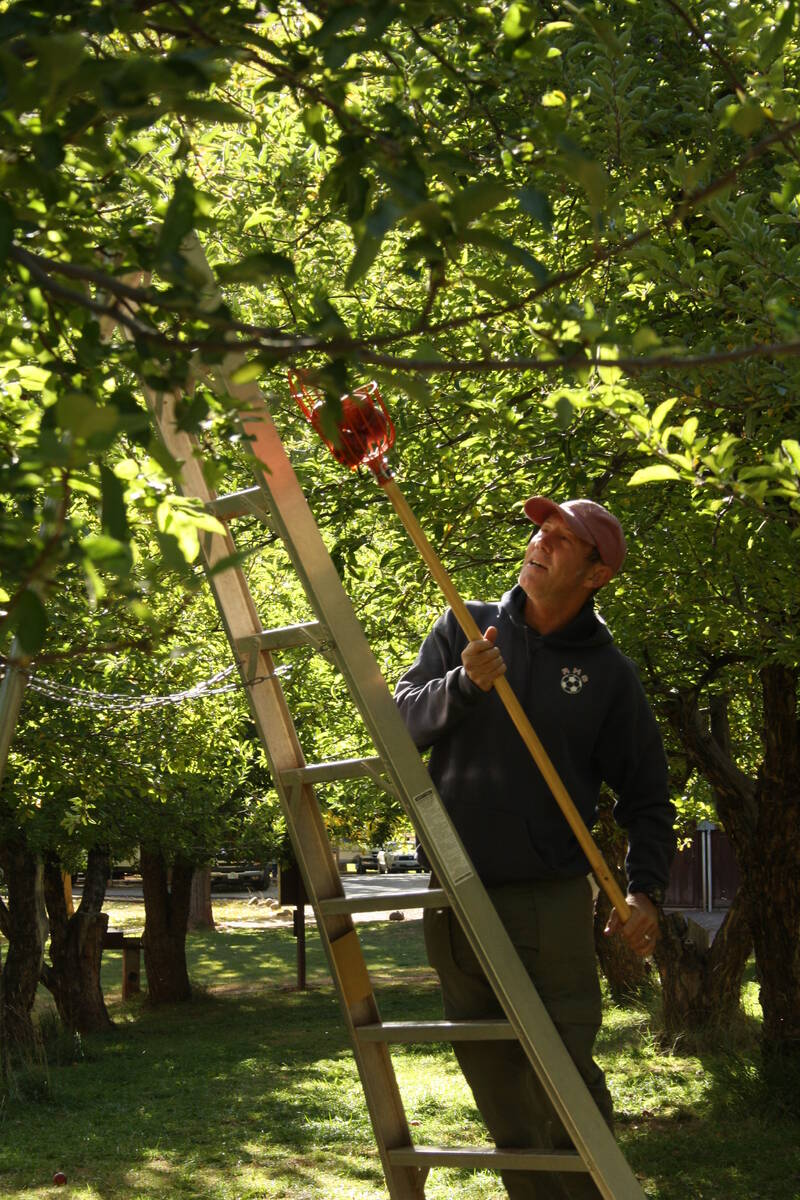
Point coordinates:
[(785, 134), (630, 365), (735, 790), (264, 338)]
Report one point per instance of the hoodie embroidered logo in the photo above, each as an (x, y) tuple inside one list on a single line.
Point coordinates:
[(572, 680)]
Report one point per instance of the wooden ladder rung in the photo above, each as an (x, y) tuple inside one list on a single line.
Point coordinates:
[(488, 1157), (247, 503), (384, 902), (328, 772), (437, 1031), (310, 633)]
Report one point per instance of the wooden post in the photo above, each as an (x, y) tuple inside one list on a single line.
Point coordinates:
[(291, 890), (131, 967), (67, 878)]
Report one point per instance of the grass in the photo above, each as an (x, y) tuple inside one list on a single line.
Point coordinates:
[(249, 1092)]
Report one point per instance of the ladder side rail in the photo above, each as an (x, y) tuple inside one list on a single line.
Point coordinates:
[(303, 817), (304, 820), (12, 693)]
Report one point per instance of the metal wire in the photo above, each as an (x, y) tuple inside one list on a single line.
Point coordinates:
[(63, 693)]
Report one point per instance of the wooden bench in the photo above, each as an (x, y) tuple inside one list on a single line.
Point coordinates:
[(131, 947)]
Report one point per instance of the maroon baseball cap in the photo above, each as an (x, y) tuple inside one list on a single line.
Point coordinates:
[(589, 521)]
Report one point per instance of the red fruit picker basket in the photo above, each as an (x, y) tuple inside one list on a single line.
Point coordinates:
[(364, 430)]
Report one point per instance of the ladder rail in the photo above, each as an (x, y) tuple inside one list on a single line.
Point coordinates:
[(278, 736), (304, 821)]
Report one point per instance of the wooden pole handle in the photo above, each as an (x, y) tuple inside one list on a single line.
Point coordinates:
[(512, 705)]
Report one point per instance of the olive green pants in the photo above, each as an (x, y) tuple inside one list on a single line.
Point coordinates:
[(550, 924)]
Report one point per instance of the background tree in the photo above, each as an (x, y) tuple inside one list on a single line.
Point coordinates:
[(568, 239)]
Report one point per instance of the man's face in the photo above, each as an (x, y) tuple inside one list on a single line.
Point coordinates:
[(557, 569)]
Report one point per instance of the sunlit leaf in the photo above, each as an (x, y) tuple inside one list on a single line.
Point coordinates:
[(657, 473)]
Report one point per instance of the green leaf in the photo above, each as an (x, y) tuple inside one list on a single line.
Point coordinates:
[(591, 175), (564, 412), (99, 547), (645, 339), (654, 474), (777, 39), (211, 110), (516, 254), (610, 373), (48, 150), (605, 32), (171, 551), (743, 119), (179, 218), (228, 562), (662, 411), (255, 267), (314, 125), (516, 21), (337, 22), (82, 417), (30, 620), (791, 449), (365, 255), (6, 229), (114, 518), (61, 56), (248, 371), (536, 205), (689, 430), (498, 288), (468, 204), (767, 471)]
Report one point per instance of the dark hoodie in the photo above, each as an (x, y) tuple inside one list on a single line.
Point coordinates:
[(585, 701)]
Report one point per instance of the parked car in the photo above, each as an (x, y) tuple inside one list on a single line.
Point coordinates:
[(232, 876), (367, 860), (398, 856)]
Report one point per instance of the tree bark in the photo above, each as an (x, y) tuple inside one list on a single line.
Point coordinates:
[(166, 905), (24, 923), (625, 972), (771, 873), (762, 819), (5, 1057), (701, 987), (76, 946), (201, 914)]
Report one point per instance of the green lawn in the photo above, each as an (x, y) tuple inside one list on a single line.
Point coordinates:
[(249, 1093)]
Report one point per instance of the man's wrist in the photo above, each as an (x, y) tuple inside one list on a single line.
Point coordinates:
[(655, 893)]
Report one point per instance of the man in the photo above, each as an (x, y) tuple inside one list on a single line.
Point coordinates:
[(584, 699)]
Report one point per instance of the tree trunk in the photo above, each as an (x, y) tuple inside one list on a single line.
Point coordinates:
[(76, 946), (5, 1055), (702, 987), (201, 914), (24, 923), (762, 819), (166, 908), (626, 973), (771, 872)]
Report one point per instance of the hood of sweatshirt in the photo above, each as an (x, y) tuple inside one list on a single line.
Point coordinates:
[(585, 629)]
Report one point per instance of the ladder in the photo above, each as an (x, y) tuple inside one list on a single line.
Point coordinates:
[(277, 499)]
